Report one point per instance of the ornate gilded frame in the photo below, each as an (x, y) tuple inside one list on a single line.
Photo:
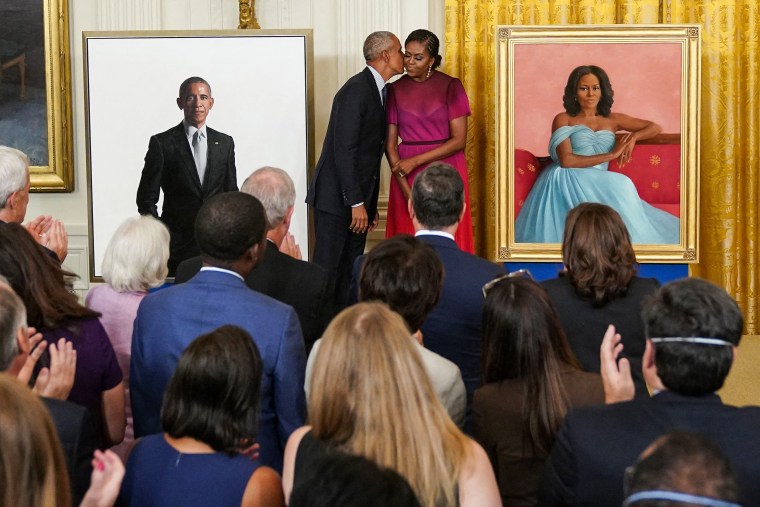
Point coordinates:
[(58, 175), (508, 38)]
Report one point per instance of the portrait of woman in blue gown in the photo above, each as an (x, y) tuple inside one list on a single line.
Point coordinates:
[(582, 144)]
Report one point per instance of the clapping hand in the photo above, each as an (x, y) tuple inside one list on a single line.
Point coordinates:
[(616, 374), (105, 482)]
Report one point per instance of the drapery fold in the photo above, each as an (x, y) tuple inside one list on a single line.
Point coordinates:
[(730, 116)]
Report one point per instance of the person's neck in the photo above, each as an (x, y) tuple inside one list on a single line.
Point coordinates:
[(451, 229), (188, 445), (277, 235), (8, 216)]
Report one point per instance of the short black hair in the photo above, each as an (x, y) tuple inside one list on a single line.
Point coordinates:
[(438, 196), (213, 395), (683, 462), (344, 480), (187, 82), (228, 225), (404, 273), (569, 99), (692, 307)]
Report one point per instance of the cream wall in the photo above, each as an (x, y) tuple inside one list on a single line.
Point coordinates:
[(339, 29)]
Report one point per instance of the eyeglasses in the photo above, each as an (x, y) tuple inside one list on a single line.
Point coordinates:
[(520, 273)]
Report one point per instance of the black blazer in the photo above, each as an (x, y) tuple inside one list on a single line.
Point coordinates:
[(348, 171), (169, 166), (300, 284), (76, 432), (596, 444)]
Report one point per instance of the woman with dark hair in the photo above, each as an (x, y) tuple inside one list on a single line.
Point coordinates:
[(582, 144), (209, 417), (40, 282), (530, 380), (428, 110), (599, 287)]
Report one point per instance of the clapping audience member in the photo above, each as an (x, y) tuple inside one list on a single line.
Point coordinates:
[(370, 396), (693, 328), (209, 418), (134, 261), (14, 198), (681, 468), (599, 287), (344, 480), (55, 312), (34, 470), (531, 379)]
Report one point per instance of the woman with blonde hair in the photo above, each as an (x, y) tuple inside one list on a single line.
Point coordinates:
[(370, 396), (134, 262)]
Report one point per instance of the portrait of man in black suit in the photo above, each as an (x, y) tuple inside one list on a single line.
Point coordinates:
[(343, 191), (189, 163)]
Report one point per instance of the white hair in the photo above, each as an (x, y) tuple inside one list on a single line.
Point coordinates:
[(376, 43), (135, 258), (274, 188), (14, 171), (12, 318)]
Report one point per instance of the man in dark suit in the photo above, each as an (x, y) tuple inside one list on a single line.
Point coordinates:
[(297, 283), (230, 229), (190, 163), (452, 329), (343, 192), (73, 423), (693, 328)]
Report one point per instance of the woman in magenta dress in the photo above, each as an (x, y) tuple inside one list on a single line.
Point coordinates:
[(428, 110)]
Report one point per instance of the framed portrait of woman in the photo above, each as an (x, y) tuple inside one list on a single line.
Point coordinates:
[(598, 113)]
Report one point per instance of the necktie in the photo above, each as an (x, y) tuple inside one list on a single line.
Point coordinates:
[(384, 93), (199, 154)]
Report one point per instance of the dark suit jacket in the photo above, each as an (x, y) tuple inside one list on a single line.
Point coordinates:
[(168, 320), (300, 284), (169, 166), (348, 171), (76, 432), (596, 444), (585, 325)]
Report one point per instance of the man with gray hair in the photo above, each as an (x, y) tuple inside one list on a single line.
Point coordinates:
[(343, 192), (14, 198), (297, 283)]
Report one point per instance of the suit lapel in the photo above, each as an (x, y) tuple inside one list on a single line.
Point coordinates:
[(213, 154), (186, 156)]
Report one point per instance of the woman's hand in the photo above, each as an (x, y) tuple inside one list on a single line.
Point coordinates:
[(107, 474), (627, 142), (404, 166)]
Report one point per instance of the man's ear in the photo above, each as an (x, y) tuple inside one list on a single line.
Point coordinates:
[(649, 369), (410, 208), (288, 216), (22, 341), (464, 209), (179, 102)]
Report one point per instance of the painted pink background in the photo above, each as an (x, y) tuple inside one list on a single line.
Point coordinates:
[(646, 79)]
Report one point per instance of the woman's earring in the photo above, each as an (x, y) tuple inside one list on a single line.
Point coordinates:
[(430, 69)]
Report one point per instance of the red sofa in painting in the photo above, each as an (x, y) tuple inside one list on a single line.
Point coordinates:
[(655, 170)]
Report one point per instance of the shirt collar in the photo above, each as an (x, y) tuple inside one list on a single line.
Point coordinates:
[(190, 129), (379, 81), (223, 270), (426, 232)]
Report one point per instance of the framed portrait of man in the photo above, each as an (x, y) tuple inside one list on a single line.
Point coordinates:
[(598, 113)]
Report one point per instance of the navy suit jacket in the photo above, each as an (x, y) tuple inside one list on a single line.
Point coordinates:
[(168, 320), (596, 444), (348, 171), (169, 166)]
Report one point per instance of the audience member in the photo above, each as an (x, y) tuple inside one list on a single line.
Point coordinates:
[(343, 480), (14, 199), (599, 287), (693, 328), (34, 472), (72, 422), (531, 379), (230, 230), (134, 261), (209, 418), (681, 468), (452, 329), (370, 396), (297, 283), (406, 274), (56, 313)]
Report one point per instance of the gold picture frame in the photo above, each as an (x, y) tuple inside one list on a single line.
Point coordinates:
[(42, 111), (532, 65)]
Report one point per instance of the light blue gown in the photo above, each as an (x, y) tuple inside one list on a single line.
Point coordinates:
[(557, 190)]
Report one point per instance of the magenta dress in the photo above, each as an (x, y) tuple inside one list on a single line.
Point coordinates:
[(422, 112)]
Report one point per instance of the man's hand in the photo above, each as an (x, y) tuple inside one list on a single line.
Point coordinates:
[(36, 347), (359, 220), (616, 375), (374, 223), (290, 247), (57, 240), (57, 381), (39, 226)]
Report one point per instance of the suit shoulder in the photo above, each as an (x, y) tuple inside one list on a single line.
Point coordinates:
[(220, 135)]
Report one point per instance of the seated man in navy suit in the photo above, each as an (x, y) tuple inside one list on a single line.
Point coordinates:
[(230, 230), (693, 328)]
